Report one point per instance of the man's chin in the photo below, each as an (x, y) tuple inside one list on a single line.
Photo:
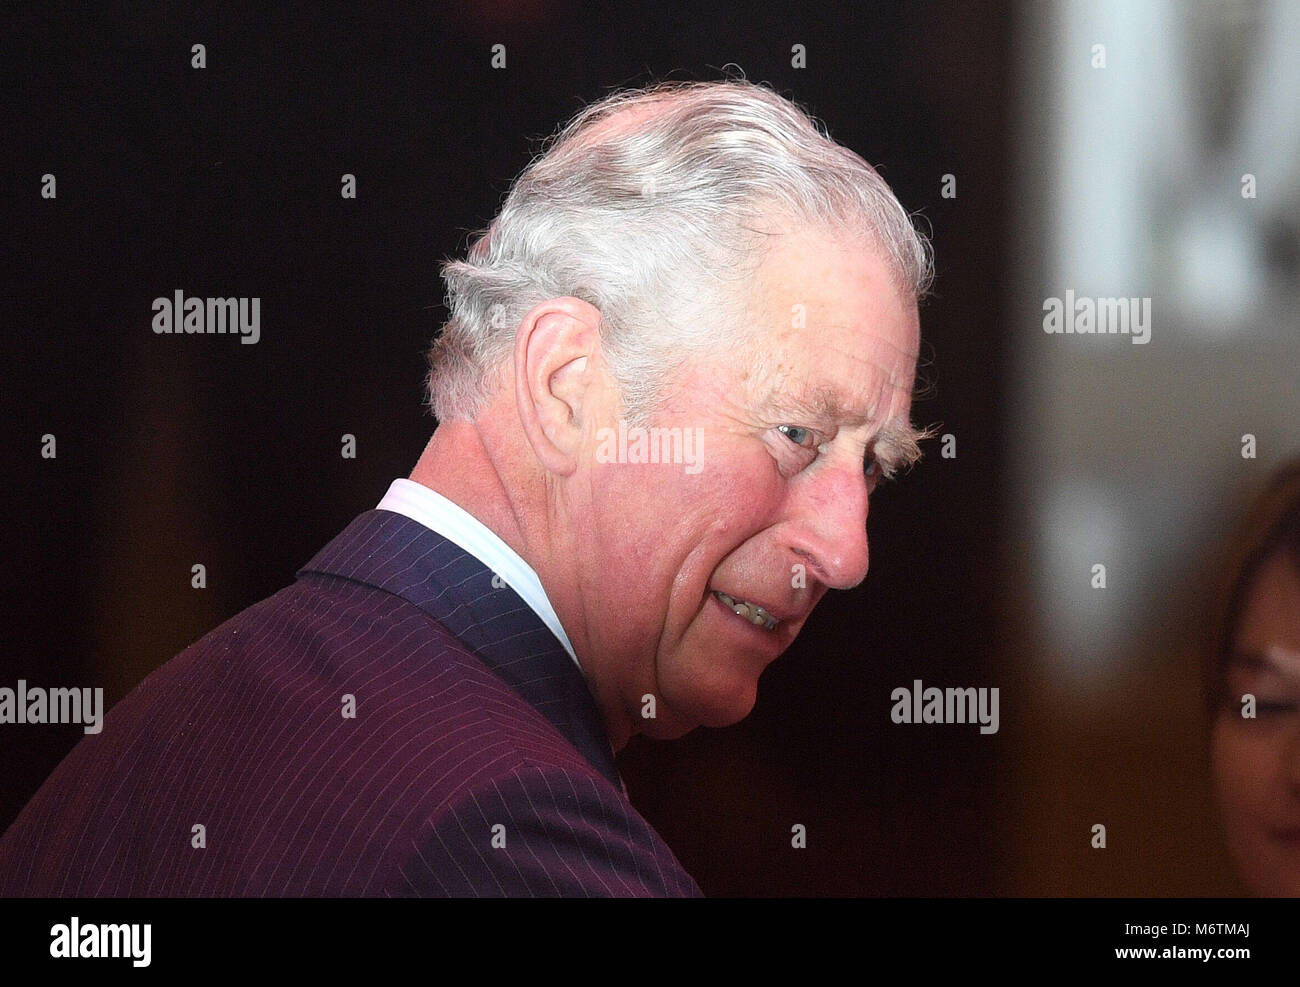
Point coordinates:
[(717, 707)]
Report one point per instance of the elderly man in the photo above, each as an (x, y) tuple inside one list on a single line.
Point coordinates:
[(435, 705)]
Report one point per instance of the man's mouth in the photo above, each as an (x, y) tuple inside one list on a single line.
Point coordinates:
[(752, 612)]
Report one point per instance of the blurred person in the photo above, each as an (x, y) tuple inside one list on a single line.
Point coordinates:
[(1253, 677)]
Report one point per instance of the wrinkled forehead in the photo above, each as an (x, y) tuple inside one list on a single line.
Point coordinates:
[(849, 374), (826, 311)]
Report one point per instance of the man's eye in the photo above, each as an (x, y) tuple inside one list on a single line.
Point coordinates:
[(800, 436), (795, 433)]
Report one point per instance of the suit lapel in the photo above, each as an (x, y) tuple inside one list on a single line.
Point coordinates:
[(394, 553)]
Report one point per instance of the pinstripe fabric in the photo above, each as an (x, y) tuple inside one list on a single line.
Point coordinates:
[(476, 763)]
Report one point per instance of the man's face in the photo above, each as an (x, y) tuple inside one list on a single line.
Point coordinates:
[(1256, 760), (774, 512)]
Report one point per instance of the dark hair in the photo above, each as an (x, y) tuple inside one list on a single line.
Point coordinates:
[(1271, 526)]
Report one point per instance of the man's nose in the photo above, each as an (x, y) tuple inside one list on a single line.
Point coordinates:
[(830, 532)]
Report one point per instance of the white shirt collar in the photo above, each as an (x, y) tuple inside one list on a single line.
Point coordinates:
[(453, 522)]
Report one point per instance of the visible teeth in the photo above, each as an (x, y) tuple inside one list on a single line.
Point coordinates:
[(752, 612)]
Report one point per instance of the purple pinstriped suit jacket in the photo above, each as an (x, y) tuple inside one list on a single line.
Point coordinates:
[(473, 729)]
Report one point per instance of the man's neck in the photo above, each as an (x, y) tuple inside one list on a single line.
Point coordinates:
[(457, 465), (460, 464)]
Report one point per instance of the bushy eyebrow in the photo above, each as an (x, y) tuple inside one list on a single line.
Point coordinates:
[(897, 442), (898, 445)]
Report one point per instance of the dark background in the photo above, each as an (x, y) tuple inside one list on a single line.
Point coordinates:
[(176, 450)]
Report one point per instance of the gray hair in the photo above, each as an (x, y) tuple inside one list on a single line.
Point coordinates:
[(653, 218)]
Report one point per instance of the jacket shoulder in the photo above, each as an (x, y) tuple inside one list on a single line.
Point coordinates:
[(312, 737)]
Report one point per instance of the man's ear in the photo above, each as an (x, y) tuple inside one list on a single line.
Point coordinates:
[(557, 354)]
